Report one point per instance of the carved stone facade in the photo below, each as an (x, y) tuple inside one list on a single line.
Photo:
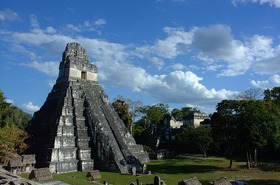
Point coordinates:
[(77, 128)]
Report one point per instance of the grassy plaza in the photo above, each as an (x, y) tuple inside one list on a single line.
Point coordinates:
[(174, 170)]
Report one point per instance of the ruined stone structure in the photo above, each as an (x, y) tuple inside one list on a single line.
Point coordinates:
[(194, 118), (77, 128)]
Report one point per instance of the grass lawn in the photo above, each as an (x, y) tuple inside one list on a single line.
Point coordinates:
[(174, 170)]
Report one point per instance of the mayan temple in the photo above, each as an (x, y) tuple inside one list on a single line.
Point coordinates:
[(77, 129)]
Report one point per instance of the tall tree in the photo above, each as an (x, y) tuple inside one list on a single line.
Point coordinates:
[(122, 109), (132, 105), (200, 137), (248, 124), (250, 94), (12, 141), (10, 114), (272, 95), (154, 114)]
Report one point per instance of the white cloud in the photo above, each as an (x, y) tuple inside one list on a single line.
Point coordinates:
[(34, 22), (158, 62), (21, 49), (49, 68), (178, 66), (30, 107), (260, 84), (275, 3), (267, 66), (10, 101), (8, 15), (73, 28), (177, 42), (51, 83), (260, 47), (275, 79), (215, 46), (100, 22)]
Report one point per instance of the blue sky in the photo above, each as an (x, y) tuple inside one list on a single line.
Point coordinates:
[(178, 52)]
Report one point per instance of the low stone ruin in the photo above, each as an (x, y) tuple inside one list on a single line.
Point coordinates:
[(41, 174), (28, 162), (6, 178), (94, 175), (221, 181), (24, 163), (190, 181), (15, 164)]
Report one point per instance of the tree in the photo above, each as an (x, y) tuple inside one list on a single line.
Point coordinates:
[(180, 114), (12, 141), (155, 114), (246, 124), (273, 95), (177, 114), (200, 137), (132, 105), (10, 114), (250, 94), (122, 109)]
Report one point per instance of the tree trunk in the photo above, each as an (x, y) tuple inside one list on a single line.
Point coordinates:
[(256, 158), (204, 155), (248, 158), (230, 163)]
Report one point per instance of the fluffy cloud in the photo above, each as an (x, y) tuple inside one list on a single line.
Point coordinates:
[(275, 3), (100, 22), (215, 46), (49, 68), (34, 22), (30, 107), (260, 84), (8, 15), (275, 79)]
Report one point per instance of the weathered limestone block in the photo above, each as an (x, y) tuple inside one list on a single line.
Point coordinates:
[(94, 175), (222, 181), (190, 181), (64, 141), (63, 166)]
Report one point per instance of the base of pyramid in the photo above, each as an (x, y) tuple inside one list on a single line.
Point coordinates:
[(86, 165), (63, 166)]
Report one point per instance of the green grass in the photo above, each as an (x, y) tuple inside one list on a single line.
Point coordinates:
[(174, 170)]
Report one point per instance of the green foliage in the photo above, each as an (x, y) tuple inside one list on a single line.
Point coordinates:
[(122, 109), (246, 124), (12, 122), (137, 130), (180, 114), (273, 95), (155, 114), (12, 141), (199, 138), (12, 115), (177, 114)]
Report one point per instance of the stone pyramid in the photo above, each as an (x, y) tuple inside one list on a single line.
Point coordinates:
[(77, 129)]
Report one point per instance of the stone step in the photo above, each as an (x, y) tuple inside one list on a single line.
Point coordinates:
[(65, 130), (63, 154), (63, 166), (64, 141)]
